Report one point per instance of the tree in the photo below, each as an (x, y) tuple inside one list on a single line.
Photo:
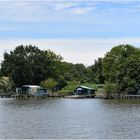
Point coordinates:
[(73, 72), (68, 71), (49, 84), (97, 72), (129, 75), (6, 85), (110, 89), (81, 73), (113, 60), (30, 65), (122, 66)]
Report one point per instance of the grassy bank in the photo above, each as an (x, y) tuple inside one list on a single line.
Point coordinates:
[(69, 88)]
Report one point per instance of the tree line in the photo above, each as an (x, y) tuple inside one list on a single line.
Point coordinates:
[(119, 67)]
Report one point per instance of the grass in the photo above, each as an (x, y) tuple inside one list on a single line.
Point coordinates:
[(69, 88)]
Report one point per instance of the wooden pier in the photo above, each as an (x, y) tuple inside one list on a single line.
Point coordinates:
[(80, 96), (56, 96), (97, 96), (5, 96), (131, 97), (101, 96), (26, 96)]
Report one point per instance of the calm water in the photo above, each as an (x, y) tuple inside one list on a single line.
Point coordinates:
[(69, 118)]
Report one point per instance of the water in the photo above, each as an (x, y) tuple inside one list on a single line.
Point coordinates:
[(69, 118)]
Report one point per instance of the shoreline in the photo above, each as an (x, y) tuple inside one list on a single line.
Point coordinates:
[(101, 96)]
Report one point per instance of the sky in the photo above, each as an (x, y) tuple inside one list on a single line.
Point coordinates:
[(79, 30)]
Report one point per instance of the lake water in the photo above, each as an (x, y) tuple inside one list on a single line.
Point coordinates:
[(69, 118)]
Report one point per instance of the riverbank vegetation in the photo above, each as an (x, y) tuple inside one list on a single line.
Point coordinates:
[(6, 86), (117, 72)]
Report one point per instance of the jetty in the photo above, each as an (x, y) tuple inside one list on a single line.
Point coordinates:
[(26, 96), (56, 95), (130, 97), (5, 95), (101, 96), (80, 96)]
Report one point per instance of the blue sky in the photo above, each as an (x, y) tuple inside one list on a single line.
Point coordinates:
[(81, 31)]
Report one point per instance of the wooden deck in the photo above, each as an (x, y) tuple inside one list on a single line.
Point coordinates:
[(25, 96), (80, 96), (131, 96), (56, 96), (97, 96), (100, 96), (5, 96)]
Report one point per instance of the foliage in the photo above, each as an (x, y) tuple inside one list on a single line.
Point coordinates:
[(49, 84), (113, 60), (110, 89), (129, 76), (122, 66), (61, 84), (30, 65), (6, 85), (97, 72), (73, 72), (69, 88)]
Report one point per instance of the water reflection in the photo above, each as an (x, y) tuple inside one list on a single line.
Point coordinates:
[(67, 118)]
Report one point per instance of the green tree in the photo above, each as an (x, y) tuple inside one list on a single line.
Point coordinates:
[(114, 59), (122, 66), (110, 89), (50, 84), (129, 75), (6, 85), (97, 72), (30, 65), (74, 72)]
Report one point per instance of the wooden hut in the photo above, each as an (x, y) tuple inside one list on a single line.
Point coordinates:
[(31, 90), (84, 90)]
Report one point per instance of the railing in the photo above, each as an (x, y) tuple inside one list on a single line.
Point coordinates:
[(23, 92)]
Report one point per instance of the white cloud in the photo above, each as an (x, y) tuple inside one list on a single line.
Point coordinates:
[(63, 5), (72, 8), (81, 11), (20, 10), (29, 11), (42, 10), (72, 50)]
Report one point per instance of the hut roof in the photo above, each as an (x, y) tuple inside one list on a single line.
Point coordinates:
[(32, 86), (79, 88), (85, 87)]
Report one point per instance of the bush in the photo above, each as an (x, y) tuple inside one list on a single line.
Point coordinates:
[(69, 88), (110, 89)]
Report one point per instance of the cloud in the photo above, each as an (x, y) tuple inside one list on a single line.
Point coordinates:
[(63, 5), (77, 7), (20, 10), (72, 50), (81, 11), (41, 10)]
